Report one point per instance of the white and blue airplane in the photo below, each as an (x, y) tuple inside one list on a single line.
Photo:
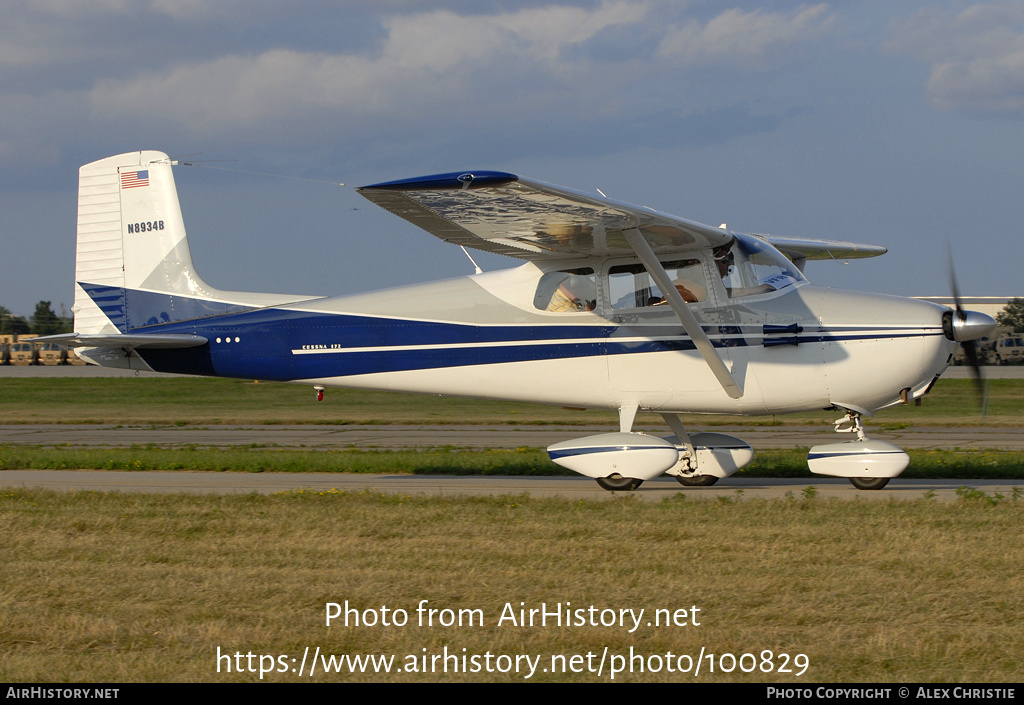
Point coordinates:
[(615, 307)]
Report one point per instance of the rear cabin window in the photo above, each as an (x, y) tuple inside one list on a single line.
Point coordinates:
[(567, 291)]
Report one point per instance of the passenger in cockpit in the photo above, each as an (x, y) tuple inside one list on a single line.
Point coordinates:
[(689, 281), (575, 291)]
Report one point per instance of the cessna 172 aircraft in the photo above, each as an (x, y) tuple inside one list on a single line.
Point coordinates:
[(615, 307)]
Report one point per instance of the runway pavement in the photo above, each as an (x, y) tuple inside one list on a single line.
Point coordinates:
[(571, 488)]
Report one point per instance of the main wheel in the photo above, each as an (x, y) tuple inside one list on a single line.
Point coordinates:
[(696, 480), (619, 483), (869, 483)]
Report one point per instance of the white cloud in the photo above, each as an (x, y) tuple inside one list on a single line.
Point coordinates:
[(976, 57), (427, 58), (745, 37), (430, 61)]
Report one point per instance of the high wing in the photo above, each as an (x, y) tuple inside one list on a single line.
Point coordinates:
[(506, 214), (509, 215)]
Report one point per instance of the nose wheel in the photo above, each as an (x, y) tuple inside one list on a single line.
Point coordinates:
[(851, 423), (868, 464)]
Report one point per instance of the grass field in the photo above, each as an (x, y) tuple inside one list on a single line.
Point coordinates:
[(120, 588), (146, 588), (182, 400)]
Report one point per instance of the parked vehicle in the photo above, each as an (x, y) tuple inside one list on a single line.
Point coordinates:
[(5, 349), (21, 350), (1008, 349)]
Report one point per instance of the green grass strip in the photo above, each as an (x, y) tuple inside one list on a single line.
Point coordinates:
[(526, 461)]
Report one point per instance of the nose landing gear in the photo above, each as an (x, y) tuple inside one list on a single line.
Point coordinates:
[(867, 464)]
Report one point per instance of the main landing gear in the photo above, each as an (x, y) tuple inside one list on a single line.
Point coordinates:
[(869, 483), (621, 462), (696, 480), (618, 483)]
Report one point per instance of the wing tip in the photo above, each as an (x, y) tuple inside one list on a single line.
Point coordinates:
[(451, 181)]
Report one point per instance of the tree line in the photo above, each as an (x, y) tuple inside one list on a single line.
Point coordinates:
[(1013, 316), (43, 322)]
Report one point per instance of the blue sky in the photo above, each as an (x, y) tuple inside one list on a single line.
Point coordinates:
[(897, 124)]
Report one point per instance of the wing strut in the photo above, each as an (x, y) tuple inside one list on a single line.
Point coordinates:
[(690, 324)]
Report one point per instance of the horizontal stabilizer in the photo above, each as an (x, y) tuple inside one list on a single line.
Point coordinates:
[(125, 341)]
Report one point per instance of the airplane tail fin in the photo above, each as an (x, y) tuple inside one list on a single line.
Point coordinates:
[(130, 238), (133, 266)]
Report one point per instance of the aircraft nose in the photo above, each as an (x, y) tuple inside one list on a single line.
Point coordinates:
[(962, 326)]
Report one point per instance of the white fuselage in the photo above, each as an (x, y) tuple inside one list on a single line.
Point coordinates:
[(855, 350)]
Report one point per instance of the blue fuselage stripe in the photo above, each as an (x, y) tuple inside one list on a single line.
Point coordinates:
[(285, 344), (340, 346)]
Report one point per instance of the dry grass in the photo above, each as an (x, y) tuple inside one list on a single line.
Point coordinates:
[(145, 588)]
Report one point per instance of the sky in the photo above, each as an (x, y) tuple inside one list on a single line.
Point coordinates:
[(897, 124)]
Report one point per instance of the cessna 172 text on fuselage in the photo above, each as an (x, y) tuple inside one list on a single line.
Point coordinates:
[(615, 307)]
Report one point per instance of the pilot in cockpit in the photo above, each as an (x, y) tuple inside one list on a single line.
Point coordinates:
[(734, 266), (724, 258)]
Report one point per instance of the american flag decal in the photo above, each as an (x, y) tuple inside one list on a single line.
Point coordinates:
[(134, 179)]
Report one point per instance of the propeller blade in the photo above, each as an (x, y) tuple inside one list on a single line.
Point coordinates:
[(971, 355), (970, 346), (960, 313)]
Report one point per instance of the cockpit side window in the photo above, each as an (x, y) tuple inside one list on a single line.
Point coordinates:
[(567, 291), (630, 285), (749, 267)]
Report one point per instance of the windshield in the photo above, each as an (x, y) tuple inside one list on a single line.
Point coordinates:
[(749, 267)]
